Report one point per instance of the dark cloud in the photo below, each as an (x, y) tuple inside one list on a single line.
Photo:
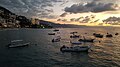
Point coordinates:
[(112, 20), (63, 15), (66, 1), (30, 8), (97, 20), (58, 19), (101, 1), (64, 20), (92, 7), (72, 19), (76, 19), (86, 19)]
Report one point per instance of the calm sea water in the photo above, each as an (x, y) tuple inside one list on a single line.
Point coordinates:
[(47, 54)]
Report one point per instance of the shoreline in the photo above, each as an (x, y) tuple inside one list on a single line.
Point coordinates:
[(62, 27)]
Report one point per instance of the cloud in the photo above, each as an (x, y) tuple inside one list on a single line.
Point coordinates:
[(64, 20), (86, 19), (63, 15), (30, 8), (92, 7), (76, 19), (112, 19), (72, 19), (101, 1), (64, 2), (58, 19)]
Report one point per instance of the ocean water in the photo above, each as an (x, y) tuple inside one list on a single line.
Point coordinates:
[(47, 54)]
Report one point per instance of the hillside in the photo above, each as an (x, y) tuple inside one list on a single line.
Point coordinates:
[(9, 19)]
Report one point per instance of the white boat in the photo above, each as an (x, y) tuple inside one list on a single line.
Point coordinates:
[(17, 43), (56, 39), (75, 49), (76, 43)]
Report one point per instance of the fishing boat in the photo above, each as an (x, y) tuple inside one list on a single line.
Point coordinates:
[(55, 30), (74, 36), (75, 48), (75, 43), (56, 39), (109, 35), (51, 33), (17, 43), (73, 32), (98, 35), (86, 40), (116, 33)]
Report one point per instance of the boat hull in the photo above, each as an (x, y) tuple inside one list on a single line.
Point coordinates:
[(19, 45), (75, 49)]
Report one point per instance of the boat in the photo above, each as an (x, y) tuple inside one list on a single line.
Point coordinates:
[(116, 33), (98, 35), (74, 36), (51, 33), (73, 32), (17, 43), (109, 35), (75, 43), (86, 40), (75, 48), (56, 39), (55, 30)]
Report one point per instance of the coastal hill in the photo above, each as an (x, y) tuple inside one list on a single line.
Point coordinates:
[(9, 19)]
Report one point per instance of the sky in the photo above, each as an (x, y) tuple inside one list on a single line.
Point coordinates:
[(90, 12)]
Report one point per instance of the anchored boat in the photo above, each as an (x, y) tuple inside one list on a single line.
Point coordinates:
[(17, 43), (51, 33), (75, 48)]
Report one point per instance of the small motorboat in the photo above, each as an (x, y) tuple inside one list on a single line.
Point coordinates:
[(116, 33), (73, 32), (98, 35), (86, 40), (109, 35), (56, 39), (74, 36), (76, 43), (55, 30), (17, 43), (75, 49), (51, 33)]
